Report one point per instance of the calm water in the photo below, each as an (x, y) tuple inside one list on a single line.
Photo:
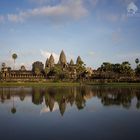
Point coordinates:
[(69, 113)]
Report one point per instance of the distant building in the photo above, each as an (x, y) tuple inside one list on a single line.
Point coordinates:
[(8, 74), (38, 65)]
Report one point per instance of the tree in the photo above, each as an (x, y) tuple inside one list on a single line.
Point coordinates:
[(37, 71), (47, 63), (80, 68), (137, 70), (3, 65), (137, 61), (55, 71), (47, 70), (126, 68), (13, 109), (63, 75), (106, 66), (14, 56)]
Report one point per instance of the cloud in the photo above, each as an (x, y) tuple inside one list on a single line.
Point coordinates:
[(15, 18), (40, 1), (112, 17), (66, 9), (91, 53), (47, 54), (10, 63), (2, 19), (132, 8), (93, 2), (127, 1), (108, 16), (28, 65), (45, 2), (47, 109)]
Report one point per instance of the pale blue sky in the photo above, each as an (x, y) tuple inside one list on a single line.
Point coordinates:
[(97, 30)]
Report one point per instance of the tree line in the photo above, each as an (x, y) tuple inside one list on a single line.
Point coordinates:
[(124, 70)]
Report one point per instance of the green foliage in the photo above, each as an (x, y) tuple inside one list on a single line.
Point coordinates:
[(64, 75), (137, 70), (106, 66), (124, 68), (37, 71), (137, 61), (47, 70), (3, 65), (80, 68), (115, 71), (37, 96), (59, 73), (14, 56), (55, 71)]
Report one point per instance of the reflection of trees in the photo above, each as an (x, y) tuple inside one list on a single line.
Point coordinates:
[(5, 94), (115, 96), (80, 101), (13, 109), (65, 96), (138, 99), (22, 94), (37, 96)]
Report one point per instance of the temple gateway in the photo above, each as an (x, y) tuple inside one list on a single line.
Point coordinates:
[(51, 70)]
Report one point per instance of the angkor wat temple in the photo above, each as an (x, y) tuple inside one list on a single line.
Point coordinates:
[(65, 69)]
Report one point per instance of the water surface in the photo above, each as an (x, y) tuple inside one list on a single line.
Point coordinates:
[(69, 113)]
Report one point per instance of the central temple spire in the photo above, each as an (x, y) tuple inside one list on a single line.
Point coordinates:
[(62, 58)]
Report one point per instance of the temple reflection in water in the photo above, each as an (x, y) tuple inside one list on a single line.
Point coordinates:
[(61, 98)]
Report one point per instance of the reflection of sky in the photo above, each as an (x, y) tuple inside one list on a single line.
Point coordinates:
[(97, 30), (46, 109)]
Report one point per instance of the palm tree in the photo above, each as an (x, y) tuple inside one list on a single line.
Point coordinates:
[(3, 65), (13, 109), (14, 56), (137, 61)]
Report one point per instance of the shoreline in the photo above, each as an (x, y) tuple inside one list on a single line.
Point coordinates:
[(38, 84), (63, 84)]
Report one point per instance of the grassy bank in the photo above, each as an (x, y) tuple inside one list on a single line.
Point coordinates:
[(121, 84), (37, 84), (46, 84)]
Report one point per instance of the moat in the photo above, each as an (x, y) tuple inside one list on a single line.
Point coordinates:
[(70, 113)]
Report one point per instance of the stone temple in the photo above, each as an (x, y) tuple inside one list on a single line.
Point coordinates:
[(39, 69)]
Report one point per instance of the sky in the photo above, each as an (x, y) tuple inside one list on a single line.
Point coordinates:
[(97, 30)]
